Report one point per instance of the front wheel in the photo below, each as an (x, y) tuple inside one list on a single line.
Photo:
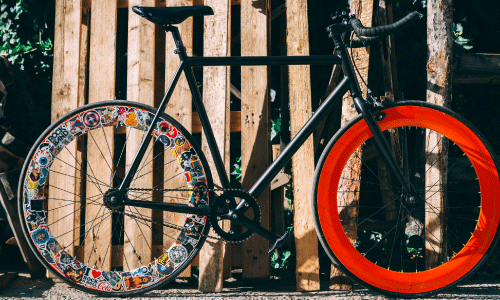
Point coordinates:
[(408, 244), (87, 241)]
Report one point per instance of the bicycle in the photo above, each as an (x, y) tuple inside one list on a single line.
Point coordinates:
[(393, 136)]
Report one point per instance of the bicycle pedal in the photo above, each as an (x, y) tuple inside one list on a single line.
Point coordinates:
[(279, 242)]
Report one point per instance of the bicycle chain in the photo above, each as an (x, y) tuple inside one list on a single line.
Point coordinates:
[(223, 190)]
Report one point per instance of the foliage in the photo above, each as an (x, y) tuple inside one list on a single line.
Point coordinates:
[(26, 35), (26, 29), (237, 168), (281, 262)]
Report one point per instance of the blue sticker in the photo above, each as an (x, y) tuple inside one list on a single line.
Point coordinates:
[(40, 236)]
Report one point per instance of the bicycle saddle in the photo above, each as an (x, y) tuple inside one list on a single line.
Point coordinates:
[(171, 15)]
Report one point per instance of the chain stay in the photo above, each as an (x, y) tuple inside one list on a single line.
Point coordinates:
[(182, 229)]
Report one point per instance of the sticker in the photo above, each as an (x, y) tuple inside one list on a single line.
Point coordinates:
[(180, 140), (131, 119), (46, 147), (40, 236), (74, 275), (42, 159), (197, 168), (59, 134), (178, 254), (167, 268), (53, 246), (111, 277), (108, 115), (91, 119), (104, 286), (76, 126), (163, 259), (39, 175), (96, 273), (164, 127), (132, 283), (36, 217), (49, 256), (165, 140), (89, 281)]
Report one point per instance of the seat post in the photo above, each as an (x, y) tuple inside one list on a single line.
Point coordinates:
[(181, 50)]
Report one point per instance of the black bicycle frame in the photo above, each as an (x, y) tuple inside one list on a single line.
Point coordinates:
[(349, 82)]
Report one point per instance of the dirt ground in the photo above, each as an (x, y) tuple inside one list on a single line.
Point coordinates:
[(25, 288)]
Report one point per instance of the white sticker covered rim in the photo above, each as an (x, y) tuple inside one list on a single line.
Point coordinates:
[(35, 213)]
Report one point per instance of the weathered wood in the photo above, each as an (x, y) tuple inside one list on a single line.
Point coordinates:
[(439, 69), (7, 278), (477, 68), (234, 126), (180, 108), (388, 60), (65, 94), (8, 190), (80, 186), (216, 93), (327, 128), (351, 175), (124, 3), (307, 266), (138, 248), (255, 141), (101, 87)]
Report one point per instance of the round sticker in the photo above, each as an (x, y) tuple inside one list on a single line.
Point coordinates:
[(91, 119), (177, 254), (43, 159)]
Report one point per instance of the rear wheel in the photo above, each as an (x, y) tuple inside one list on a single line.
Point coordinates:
[(419, 243), (78, 234)]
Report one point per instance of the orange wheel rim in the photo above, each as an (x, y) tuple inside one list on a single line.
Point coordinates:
[(465, 260)]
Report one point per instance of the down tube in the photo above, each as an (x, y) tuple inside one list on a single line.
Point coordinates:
[(300, 138)]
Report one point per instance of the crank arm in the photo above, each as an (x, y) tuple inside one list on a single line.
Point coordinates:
[(244, 221)]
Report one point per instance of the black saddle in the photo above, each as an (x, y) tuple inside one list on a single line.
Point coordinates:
[(171, 15)]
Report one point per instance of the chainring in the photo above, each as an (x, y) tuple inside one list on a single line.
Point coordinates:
[(219, 212)]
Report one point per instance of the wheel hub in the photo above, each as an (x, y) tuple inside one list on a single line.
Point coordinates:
[(112, 199), (411, 200)]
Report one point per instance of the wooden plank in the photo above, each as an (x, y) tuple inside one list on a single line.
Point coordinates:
[(6, 279), (179, 107), (486, 63), (255, 140), (388, 60), (234, 126), (216, 93), (8, 197), (65, 94), (306, 243), (138, 248), (100, 146), (124, 3), (439, 69), (80, 155), (351, 175)]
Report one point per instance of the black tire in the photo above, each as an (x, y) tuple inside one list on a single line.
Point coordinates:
[(414, 245), (80, 157)]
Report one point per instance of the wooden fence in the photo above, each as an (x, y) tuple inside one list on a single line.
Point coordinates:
[(89, 66)]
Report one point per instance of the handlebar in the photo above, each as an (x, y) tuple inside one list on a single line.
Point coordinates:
[(376, 34)]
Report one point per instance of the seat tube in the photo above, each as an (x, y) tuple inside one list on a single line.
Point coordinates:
[(200, 107)]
